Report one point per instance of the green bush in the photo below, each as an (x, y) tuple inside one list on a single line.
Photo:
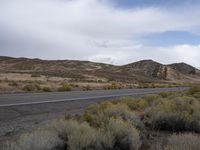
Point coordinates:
[(187, 141), (47, 89), (111, 86), (87, 117), (65, 87), (31, 87)]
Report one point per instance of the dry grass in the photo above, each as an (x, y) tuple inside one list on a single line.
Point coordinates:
[(187, 141), (15, 82), (38, 140)]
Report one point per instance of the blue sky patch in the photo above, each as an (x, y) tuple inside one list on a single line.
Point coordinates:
[(171, 38), (152, 3)]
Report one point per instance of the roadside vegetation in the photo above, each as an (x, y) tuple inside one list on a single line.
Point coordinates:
[(163, 121), (65, 87), (36, 82)]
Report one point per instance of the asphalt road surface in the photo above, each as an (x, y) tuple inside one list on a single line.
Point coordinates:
[(42, 98), (22, 112)]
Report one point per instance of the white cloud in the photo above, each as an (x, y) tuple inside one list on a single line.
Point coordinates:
[(166, 55), (92, 29)]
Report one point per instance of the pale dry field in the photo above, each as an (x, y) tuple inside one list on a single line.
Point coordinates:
[(14, 82)]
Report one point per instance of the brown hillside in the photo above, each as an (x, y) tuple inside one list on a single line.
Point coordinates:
[(141, 71)]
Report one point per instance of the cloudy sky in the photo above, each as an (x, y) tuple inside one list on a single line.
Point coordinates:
[(109, 31)]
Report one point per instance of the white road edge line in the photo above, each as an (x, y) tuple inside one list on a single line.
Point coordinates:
[(74, 99)]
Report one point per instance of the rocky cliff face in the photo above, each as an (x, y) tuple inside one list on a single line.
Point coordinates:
[(184, 68), (147, 68)]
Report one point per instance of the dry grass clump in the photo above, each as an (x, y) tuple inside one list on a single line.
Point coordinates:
[(194, 91), (47, 89), (151, 99), (187, 141), (112, 86), (37, 140), (98, 115), (164, 94), (73, 135), (133, 103), (31, 87), (122, 110), (64, 128), (65, 87), (124, 135), (116, 135), (85, 138)]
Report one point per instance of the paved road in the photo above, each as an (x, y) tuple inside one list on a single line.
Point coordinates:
[(41, 98), (22, 112)]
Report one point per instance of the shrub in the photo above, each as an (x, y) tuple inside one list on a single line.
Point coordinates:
[(125, 136), (121, 110), (133, 103), (178, 114), (37, 140), (85, 138), (64, 128), (168, 121), (111, 86), (36, 82), (193, 90), (98, 115), (151, 99), (29, 88), (65, 87), (164, 94), (87, 117), (87, 88), (32, 87), (47, 89), (187, 141), (93, 108)]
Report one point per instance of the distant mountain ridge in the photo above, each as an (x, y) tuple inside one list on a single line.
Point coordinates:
[(184, 68), (141, 71)]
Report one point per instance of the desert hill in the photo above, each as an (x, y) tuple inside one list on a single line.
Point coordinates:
[(141, 71), (185, 68)]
